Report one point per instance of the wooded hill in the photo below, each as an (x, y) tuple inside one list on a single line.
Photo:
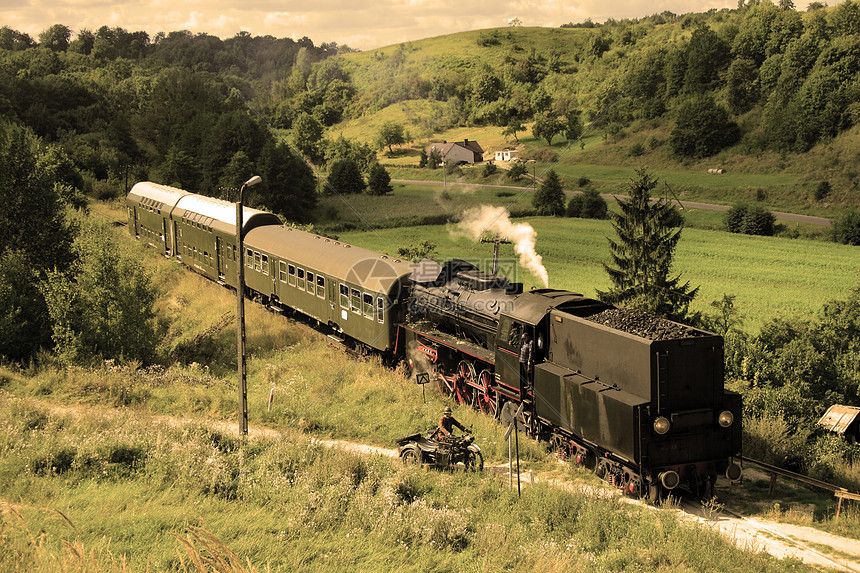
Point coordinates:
[(758, 89)]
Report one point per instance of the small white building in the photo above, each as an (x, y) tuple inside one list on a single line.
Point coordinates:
[(506, 154)]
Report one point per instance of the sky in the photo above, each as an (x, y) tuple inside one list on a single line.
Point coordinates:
[(360, 24)]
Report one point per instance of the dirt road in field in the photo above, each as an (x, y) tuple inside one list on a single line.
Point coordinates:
[(688, 205)]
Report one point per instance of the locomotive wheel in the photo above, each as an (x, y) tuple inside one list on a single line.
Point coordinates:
[(412, 456), (487, 399), (474, 462), (465, 376)]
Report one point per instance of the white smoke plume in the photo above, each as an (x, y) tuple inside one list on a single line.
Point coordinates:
[(489, 219)]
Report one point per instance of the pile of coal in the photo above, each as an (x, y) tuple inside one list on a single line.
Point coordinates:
[(643, 324)]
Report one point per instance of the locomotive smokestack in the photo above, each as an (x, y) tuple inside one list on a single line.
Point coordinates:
[(496, 242)]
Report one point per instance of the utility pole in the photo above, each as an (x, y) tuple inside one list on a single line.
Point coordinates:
[(240, 308)]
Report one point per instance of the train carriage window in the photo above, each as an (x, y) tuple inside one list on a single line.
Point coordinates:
[(300, 279), (282, 271), (320, 286), (368, 305), (355, 301), (310, 282), (292, 274), (380, 309), (344, 296), (249, 258), (258, 265), (265, 264)]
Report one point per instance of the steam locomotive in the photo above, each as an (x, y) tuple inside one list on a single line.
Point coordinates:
[(636, 397)]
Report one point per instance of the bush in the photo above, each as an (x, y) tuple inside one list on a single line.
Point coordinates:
[(702, 128), (750, 221), (544, 155), (822, 190), (583, 181), (588, 205), (489, 169), (846, 229), (636, 150), (516, 171)]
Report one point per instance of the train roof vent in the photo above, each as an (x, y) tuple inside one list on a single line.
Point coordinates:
[(478, 280)]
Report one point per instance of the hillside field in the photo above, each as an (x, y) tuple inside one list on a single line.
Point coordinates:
[(770, 277)]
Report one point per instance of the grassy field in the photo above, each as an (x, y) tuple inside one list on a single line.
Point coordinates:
[(770, 277), (117, 467), (119, 491)]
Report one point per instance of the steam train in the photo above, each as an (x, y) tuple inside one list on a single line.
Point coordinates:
[(638, 398)]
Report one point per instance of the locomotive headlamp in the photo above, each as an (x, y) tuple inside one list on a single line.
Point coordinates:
[(661, 425), (726, 418)]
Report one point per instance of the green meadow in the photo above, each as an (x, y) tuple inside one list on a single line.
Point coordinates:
[(769, 276)]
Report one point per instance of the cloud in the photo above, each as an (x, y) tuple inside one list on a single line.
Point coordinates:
[(362, 24)]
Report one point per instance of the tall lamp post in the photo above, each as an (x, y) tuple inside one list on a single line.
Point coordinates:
[(240, 308)]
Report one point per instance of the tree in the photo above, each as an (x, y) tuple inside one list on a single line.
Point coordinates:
[(846, 18), (727, 317), (345, 178), (846, 229), (434, 160), (56, 38), (289, 184), (24, 322), (378, 180), (588, 205), (642, 256), (707, 56), (742, 85), (750, 221), (512, 128), (36, 237), (307, 135), (598, 44), (546, 126), (391, 133), (105, 306), (343, 148), (573, 127), (516, 171), (702, 128), (549, 197), (32, 217)]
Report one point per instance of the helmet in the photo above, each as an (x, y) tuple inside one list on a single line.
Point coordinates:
[(447, 411)]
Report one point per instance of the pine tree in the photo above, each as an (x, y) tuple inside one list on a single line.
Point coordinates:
[(378, 180), (647, 236), (549, 198)]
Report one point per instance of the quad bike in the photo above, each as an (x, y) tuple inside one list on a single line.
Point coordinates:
[(441, 453)]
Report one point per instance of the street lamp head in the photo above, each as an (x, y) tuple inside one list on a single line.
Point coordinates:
[(253, 181)]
